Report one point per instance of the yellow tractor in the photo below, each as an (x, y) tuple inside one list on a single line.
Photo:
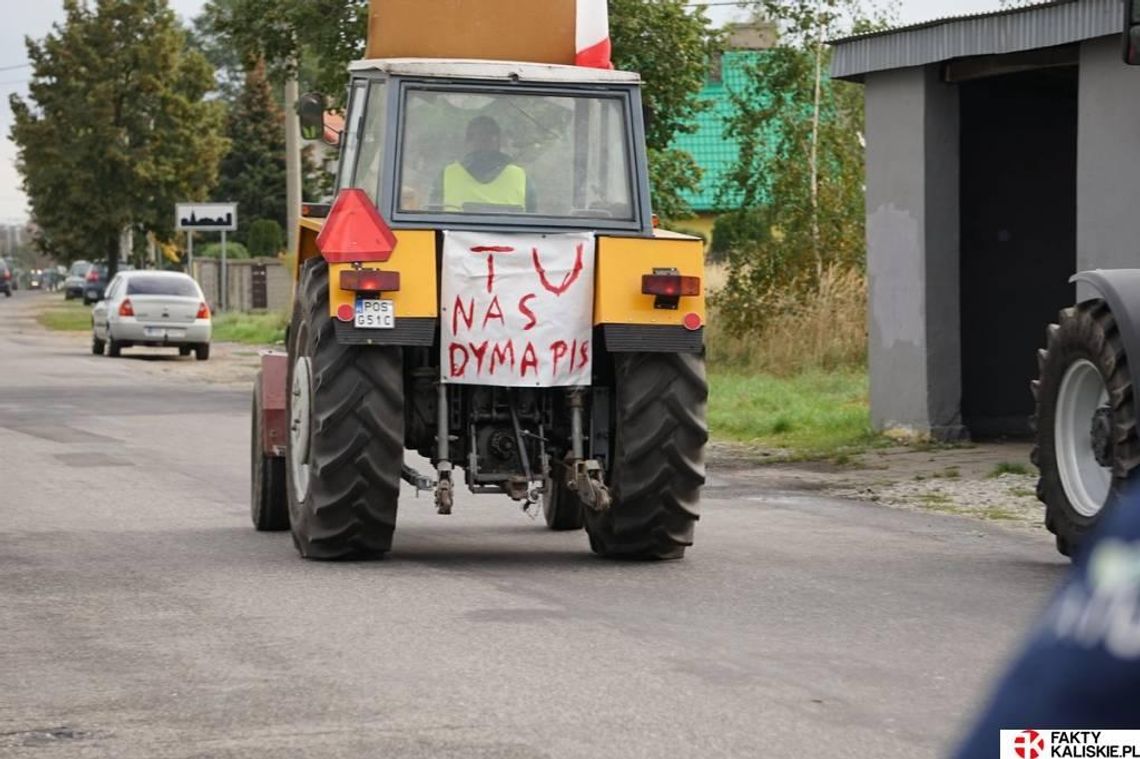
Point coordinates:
[(487, 290)]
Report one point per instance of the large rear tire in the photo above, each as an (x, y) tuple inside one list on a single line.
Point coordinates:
[(268, 506), (1087, 445), (346, 445), (658, 465)]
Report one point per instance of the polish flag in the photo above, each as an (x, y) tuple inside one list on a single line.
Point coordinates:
[(593, 36)]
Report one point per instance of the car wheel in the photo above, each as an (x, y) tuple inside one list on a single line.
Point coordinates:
[(114, 347), (184, 350), (97, 346), (202, 351)]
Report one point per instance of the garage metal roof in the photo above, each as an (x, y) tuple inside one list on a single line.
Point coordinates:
[(1059, 22)]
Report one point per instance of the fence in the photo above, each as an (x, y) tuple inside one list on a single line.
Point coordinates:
[(254, 284)]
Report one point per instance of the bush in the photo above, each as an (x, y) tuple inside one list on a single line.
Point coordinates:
[(214, 250), (808, 329), (266, 239), (737, 230)]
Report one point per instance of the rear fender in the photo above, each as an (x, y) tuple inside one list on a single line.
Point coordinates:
[(307, 243), (629, 319), (1120, 289), (415, 260), (274, 424)]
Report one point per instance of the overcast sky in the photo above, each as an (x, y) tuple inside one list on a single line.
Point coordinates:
[(35, 17)]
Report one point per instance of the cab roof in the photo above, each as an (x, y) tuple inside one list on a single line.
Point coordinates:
[(509, 71)]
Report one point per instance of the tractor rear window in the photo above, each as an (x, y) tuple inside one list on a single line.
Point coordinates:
[(493, 153)]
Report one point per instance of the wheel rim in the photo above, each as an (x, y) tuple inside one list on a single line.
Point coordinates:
[(299, 426), (1082, 395)]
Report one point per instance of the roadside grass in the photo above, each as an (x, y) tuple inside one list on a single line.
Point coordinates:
[(800, 383), (814, 414), (65, 316), (253, 329), (1008, 467)]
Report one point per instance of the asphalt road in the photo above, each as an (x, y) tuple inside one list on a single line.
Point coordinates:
[(141, 615)]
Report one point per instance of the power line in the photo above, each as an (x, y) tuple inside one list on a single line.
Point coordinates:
[(15, 67)]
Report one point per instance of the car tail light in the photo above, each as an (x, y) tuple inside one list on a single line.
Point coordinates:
[(92, 276), (203, 311), (126, 309), (7, 275), (370, 281)]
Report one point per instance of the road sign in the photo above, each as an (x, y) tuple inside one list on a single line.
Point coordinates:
[(206, 217)]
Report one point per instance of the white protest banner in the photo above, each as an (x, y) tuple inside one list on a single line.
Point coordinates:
[(517, 309)]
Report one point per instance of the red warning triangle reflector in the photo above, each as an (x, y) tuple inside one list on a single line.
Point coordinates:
[(355, 231)]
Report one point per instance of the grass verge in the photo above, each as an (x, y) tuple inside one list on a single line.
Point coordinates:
[(815, 414), (253, 329), (66, 316)]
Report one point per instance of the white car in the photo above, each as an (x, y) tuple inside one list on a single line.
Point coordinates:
[(152, 308)]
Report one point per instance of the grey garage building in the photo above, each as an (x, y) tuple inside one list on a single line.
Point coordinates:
[(1003, 151)]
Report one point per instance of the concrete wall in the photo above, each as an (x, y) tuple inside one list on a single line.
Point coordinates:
[(1108, 158), (278, 283), (912, 251)]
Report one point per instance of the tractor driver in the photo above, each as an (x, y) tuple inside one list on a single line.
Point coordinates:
[(485, 176)]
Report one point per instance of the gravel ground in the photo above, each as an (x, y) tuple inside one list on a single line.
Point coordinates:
[(1007, 498)]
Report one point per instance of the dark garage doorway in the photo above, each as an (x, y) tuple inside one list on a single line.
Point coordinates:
[(1018, 236)]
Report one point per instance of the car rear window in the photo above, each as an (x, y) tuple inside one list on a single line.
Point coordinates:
[(177, 286)]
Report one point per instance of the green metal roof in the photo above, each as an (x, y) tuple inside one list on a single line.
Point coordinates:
[(712, 151)]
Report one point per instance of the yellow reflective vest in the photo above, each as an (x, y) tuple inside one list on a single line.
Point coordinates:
[(507, 189)]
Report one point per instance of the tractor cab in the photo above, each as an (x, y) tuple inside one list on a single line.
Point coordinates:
[(474, 145)]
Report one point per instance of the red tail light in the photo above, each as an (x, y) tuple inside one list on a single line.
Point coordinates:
[(7, 275), (370, 281), (92, 276), (670, 285), (203, 311), (126, 309)]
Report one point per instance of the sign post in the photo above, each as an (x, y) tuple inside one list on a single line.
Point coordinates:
[(208, 217)]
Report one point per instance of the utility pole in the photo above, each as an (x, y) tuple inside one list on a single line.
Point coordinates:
[(815, 140), (292, 160)]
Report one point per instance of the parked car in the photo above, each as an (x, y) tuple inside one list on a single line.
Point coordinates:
[(95, 282), (76, 280), (5, 279), (152, 308)]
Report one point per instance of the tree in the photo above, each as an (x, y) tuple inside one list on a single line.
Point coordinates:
[(670, 45), (800, 162), (253, 171), (314, 38), (266, 239), (116, 129)]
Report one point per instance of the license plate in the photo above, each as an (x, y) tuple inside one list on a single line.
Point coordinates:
[(174, 334), (154, 331), (373, 313)]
